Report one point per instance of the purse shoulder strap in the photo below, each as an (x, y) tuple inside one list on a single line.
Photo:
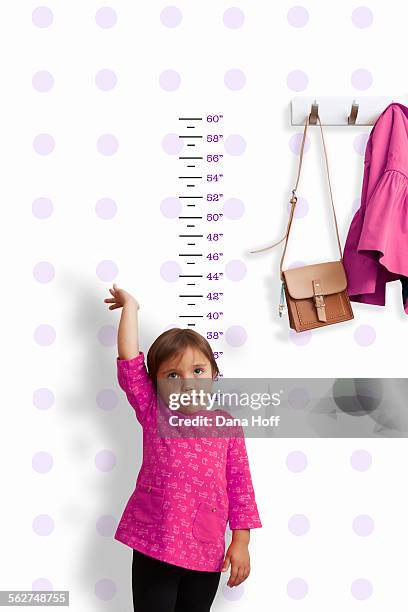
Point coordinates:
[(293, 199)]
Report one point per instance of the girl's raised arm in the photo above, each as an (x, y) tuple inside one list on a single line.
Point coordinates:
[(128, 331), (132, 374)]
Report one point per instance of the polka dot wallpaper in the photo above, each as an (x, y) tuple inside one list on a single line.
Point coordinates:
[(92, 94)]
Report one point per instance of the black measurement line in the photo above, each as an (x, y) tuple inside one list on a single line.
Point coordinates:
[(190, 275), (191, 295), (188, 136), (191, 157), (190, 254), (191, 145), (190, 218), (191, 166), (190, 197), (194, 177), (191, 235), (190, 118), (191, 316), (191, 127)]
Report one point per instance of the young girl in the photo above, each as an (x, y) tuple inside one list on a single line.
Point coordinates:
[(187, 489)]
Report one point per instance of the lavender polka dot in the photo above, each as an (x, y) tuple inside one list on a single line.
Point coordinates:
[(107, 144), (235, 270), (169, 80), (43, 525), (42, 17), (234, 79), (295, 142), (300, 339), (42, 208), (297, 588), (105, 17), (360, 143), (297, 80), (170, 270), (363, 525), (107, 335), (44, 335), (301, 208), (171, 16), (42, 584), (233, 594), (170, 207), (42, 462), (106, 208), (362, 17), (106, 79), (298, 398), (42, 81), (298, 524), (361, 589), (296, 461), (298, 16), (361, 79), (364, 335), (43, 398), (361, 460), (233, 208), (235, 335), (233, 18), (170, 326), (43, 272), (105, 460), (172, 144), (107, 399), (235, 144), (105, 589), (106, 526), (107, 270), (43, 144)]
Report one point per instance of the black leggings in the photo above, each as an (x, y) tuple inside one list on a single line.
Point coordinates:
[(162, 587)]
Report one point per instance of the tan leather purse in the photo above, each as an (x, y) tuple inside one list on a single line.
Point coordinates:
[(316, 295)]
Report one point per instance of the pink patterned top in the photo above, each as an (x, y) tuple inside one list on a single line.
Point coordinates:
[(187, 489)]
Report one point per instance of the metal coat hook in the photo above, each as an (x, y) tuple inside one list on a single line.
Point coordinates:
[(353, 114), (314, 111)]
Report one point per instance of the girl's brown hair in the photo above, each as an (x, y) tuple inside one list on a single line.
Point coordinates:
[(173, 342)]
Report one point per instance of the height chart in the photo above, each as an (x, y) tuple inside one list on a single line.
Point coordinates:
[(201, 256)]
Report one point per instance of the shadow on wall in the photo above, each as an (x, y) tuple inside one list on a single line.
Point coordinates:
[(102, 443)]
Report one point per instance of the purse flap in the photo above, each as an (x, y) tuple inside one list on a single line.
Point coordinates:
[(330, 275)]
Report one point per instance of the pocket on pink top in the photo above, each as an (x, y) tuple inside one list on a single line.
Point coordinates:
[(148, 503), (209, 523)]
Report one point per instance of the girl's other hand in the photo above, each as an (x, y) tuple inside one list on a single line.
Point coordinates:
[(120, 298), (237, 556)]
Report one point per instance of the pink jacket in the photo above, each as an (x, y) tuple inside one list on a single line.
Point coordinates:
[(376, 249), (187, 488)]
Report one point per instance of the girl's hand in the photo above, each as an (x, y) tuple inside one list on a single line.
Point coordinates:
[(120, 298), (237, 556)]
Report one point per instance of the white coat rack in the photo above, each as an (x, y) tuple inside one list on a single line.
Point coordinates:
[(338, 110)]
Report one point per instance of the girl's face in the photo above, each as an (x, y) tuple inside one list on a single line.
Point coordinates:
[(183, 373)]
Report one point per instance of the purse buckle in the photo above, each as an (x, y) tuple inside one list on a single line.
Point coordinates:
[(319, 300)]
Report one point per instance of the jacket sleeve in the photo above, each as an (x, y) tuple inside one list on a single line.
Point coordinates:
[(243, 510), (135, 381)]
